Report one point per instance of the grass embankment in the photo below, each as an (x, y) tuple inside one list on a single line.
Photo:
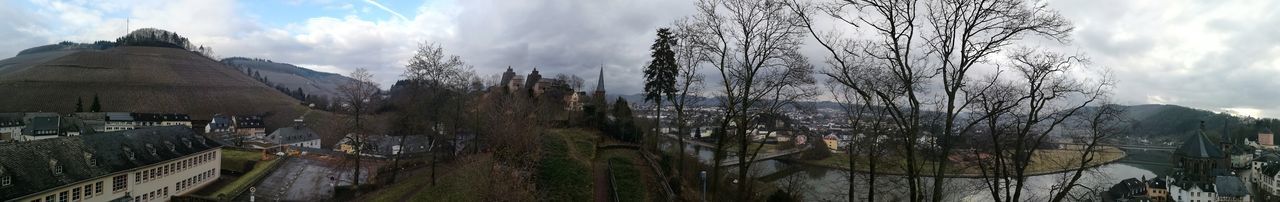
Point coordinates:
[(563, 173), (461, 180), (1043, 162), (237, 157)]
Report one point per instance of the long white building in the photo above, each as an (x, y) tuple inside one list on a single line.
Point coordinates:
[(148, 164)]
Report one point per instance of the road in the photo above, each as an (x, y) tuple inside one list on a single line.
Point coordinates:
[(303, 179)]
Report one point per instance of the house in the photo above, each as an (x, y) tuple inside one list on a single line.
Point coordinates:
[(251, 126), (1265, 178), (219, 124), (150, 164), (45, 126), (297, 135), (1230, 189), (11, 125), (1266, 139), (1157, 189), (1128, 190), (833, 142)]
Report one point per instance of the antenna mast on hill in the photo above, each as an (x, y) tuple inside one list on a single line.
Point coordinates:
[(126, 26)]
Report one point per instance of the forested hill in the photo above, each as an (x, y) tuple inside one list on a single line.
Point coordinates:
[(1173, 121), (300, 83)]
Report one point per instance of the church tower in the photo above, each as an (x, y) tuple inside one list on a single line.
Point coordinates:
[(598, 95)]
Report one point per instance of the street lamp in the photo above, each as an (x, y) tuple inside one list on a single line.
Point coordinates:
[(703, 175)]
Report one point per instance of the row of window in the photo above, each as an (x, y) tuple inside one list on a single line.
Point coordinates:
[(159, 194), (174, 167), (187, 183), (75, 194), (120, 182)]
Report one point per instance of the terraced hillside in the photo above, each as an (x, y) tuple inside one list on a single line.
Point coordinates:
[(138, 79)]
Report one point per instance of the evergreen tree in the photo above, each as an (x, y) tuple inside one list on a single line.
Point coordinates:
[(79, 104), (97, 106), (660, 74)]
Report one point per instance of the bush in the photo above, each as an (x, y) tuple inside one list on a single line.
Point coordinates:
[(819, 151)]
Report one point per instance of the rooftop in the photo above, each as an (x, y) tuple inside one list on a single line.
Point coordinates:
[(92, 156)]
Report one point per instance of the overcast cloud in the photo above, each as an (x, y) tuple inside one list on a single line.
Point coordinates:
[(1214, 55)]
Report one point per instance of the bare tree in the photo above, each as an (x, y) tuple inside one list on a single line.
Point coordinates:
[(753, 45), (1049, 96), (689, 82), (1102, 122), (928, 49), (436, 82), (357, 98)]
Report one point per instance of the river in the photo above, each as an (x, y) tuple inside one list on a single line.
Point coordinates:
[(826, 184)]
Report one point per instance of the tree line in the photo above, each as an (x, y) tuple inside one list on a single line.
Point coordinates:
[(933, 78)]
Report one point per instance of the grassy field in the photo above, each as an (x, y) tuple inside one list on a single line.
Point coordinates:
[(564, 171), (259, 171), (1043, 162), (228, 154), (630, 182), (463, 182)]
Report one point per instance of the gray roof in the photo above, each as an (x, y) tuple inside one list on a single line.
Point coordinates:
[(43, 123), (30, 164), (247, 121), (294, 134), (1199, 146), (1230, 186), (11, 119), (1270, 169), (119, 116), (219, 122)]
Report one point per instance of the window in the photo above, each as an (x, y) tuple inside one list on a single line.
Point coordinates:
[(97, 187), (62, 196), (128, 153), (75, 193), (88, 190), (6, 181), (50, 198), (120, 183), (88, 158), (53, 165)]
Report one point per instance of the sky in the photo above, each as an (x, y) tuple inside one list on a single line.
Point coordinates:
[(1214, 55)]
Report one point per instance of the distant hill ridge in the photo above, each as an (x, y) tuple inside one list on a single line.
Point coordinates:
[(290, 77)]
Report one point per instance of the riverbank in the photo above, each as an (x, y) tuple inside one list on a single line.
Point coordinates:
[(1045, 162)]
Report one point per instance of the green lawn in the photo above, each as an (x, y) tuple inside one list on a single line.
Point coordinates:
[(564, 175), (462, 182), (629, 182), (259, 171), (240, 155)]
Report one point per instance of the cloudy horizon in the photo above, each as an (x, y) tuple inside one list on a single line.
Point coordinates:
[(1212, 55)]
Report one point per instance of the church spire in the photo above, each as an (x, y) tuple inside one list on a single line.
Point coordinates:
[(600, 85)]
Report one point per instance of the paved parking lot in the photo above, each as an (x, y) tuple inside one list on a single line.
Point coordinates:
[(307, 178)]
